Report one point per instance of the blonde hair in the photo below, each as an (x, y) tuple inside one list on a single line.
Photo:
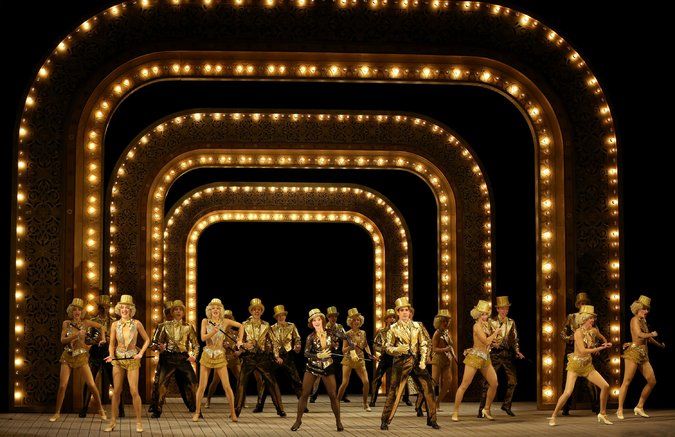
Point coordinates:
[(211, 306), (475, 313), (583, 317), (359, 317), (132, 309), (635, 307), (69, 311)]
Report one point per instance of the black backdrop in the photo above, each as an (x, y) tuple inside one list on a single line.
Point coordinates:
[(287, 264)]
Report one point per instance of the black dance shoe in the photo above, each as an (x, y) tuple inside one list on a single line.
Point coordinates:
[(312, 399), (306, 410), (281, 413), (384, 425), (296, 425), (407, 402), (432, 423), (258, 408), (508, 410), (339, 427), (345, 399), (82, 413), (420, 413), (566, 412)]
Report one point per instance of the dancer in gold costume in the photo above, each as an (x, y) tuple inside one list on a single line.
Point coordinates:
[(126, 357), (354, 349), (478, 358), (635, 356), (213, 356), (75, 356), (580, 363)]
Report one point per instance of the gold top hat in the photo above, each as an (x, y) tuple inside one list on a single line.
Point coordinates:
[(443, 313), (502, 301), (127, 299), (167, 305), (390, 313), (587, 309), (77, 302), (215, 302), (177, 303), (353, 312), (332, 311), (228, 314), (643, 302), (402, 302), (279, 310), (255, 302), (483, 306), (582, 299), (103, 299), (313, 313)]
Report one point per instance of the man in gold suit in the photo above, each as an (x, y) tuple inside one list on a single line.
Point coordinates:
[(505, 348), (259, 355), (406, 341), (385, 360), (286, 339), (571, 326), (178, 345)]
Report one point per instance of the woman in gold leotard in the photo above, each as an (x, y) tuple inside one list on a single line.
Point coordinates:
[(126, 357), (635, 355), (580, 363)]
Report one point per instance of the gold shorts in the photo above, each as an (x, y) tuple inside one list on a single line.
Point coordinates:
[(441, 360), (213, 363), (351, 364), (582, 366), (127, 364), (76, 361), (476, 359), (636, 353)]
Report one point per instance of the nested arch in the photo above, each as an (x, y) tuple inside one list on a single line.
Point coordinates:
[(284, 202), (475, 28), (174, 146)]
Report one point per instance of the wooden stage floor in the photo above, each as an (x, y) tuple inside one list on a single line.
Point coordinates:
[(176, 421)]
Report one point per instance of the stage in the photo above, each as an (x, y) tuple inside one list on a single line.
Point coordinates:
[(176, 421)]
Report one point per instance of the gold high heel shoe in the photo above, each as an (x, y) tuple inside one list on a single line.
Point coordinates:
[(110, 427), (102, 414), (55, 417), (366, 407), (619, 414), (139, 427), (486, 414), (455, 416), (195, 417), (602, 418), (551, 421), (640, 412)]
